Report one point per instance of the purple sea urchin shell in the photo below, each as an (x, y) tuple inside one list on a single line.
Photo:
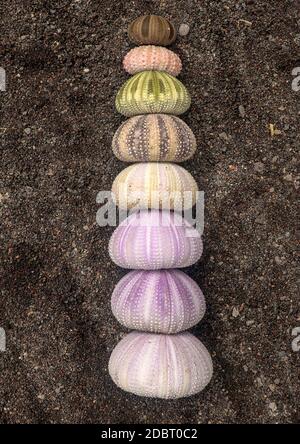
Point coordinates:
[(152, 240), (161, 366), (165, 301)]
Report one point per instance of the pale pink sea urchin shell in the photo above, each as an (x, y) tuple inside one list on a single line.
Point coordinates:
[(153, 240), (161, 366), (163, 301), (160, 185), (149, 58)]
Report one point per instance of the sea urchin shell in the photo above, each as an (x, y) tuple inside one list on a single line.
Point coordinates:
[(152, 92), (164, 301), (155, 185), (147, 58), (152, 138), (152, 30), (153, 240), (161, 366)]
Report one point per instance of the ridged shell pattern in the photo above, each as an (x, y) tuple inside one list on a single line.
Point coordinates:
[(152, 138), (161, 366), (155, 185), (150, 92), (152, 30), (153, 240), (148, 58), (164, 301)]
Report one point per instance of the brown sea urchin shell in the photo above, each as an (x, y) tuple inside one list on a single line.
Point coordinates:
[(153, 138), (150, 57), (152, 30)]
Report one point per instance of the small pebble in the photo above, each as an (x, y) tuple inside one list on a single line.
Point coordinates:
[(224, 136), (260, 219), (242, 111), (27, 130), (273, 407), (258, 167), (259, 382), (278, 260), (235, 312), (184, 29)]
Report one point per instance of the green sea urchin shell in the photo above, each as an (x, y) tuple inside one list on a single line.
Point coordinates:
[(152, 92)]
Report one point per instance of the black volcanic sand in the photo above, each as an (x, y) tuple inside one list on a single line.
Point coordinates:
[(63, 64)]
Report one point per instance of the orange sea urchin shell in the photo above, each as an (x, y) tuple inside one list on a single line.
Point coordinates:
[(147, 58)]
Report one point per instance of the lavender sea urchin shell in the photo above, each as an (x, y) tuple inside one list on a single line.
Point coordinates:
[(161, 366), (152, 138), (165, 301), (153, 240), (148, 58), (155, 185)]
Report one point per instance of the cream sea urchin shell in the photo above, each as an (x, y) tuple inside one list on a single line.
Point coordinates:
[(152, 138), (153, 240), (147, 58), (161, 366), (152, 92), (154, 185), (164, 301)]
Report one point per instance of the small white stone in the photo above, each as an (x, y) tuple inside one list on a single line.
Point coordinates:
[(273, 407), (184, 29), (235, 312)]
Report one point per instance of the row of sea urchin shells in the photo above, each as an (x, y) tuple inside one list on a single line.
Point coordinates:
[(150, 92), (155, 185), (161, 366), (154, 240), (152, 298), (163, 301), (148, 58), (152, 138)]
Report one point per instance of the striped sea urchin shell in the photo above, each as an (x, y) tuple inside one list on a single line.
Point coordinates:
[(154, 185), (150, 92), (154, 137), (152, 30), (153, 240), (161, 366), (165, 301), (147, 58)]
